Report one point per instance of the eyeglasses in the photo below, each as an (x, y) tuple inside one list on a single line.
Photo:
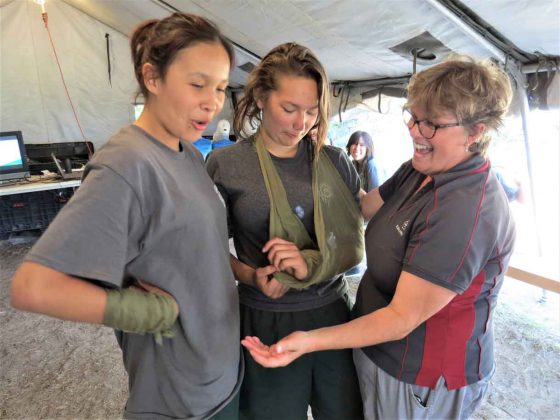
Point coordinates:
[(427, 128)]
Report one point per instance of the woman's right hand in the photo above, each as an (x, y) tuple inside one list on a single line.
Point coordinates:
[(280, 354), (268, 285)]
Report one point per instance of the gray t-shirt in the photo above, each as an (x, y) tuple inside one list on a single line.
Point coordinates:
[(147, 212), (237, 174)]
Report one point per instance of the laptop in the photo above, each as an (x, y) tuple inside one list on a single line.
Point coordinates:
[(66, 176)]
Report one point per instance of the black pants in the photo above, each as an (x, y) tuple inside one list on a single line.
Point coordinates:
[(230, 411), (324, 380)]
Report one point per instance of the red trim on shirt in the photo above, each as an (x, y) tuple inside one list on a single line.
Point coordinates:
[(488, 310), (482, 168), (483, 193), (491, 291), (447, 335), (427, 224), (403, 360)]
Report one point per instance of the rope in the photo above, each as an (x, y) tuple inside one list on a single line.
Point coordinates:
[(46, 20)]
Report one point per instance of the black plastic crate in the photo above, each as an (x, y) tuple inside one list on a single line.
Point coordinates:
[(72, 150), (31, 211), (40, 159)]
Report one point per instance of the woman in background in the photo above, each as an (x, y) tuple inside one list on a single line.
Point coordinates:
[(360, 148)]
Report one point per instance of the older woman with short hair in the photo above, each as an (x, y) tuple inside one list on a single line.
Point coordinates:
[(437, 248)]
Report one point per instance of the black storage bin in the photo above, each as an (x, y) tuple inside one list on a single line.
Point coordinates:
[(39, 154), (31, 211)]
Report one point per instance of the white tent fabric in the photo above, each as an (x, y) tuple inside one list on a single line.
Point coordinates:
[(33, 99), (532, 25), (353, 38)]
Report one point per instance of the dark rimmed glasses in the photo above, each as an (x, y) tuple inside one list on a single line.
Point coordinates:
[(427, 128)]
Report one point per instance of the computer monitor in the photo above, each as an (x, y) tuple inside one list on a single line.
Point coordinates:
[(13, 161)]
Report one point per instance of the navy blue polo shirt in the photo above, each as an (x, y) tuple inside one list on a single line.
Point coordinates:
[(456, 232)]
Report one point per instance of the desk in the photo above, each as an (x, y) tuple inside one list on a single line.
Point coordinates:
[(37, 186)]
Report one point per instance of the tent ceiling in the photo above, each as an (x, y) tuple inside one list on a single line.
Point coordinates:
[(532, 25), (352, 38)]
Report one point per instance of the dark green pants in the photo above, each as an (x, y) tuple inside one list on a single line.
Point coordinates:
[(324, 380)]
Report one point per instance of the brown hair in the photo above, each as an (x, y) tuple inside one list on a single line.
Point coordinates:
[(474, 91), (289, 59), (157, 41)]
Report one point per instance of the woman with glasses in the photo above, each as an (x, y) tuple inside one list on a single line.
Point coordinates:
[(437, 246)]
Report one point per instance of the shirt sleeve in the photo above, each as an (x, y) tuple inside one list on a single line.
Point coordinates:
[(450, 242), (387, 189), (346, 170), (373, 177), (96, 233), (215, 172)]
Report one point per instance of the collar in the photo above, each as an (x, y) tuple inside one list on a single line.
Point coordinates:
[(474, 165)]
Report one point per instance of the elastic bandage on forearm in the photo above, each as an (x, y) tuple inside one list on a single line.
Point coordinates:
[(139, 312)]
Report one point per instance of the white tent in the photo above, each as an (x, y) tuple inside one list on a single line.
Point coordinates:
[(364, 44)]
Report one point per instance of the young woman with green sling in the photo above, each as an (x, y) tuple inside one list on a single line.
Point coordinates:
[(293, 212)]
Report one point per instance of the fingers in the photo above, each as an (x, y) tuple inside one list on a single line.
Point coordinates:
[(269, 286), (254, 343), (264, 272), (268, 361), (274, 289), (286, 256), (150, 288), (265, 355), (281, 257), (276, 247), (141, 285), (275, 241), (261, 276), (259, 351)]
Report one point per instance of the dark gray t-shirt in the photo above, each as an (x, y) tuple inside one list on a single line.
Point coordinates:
[(237, 174), (147, 212)]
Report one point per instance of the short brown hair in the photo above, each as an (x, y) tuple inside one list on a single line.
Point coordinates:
[(157, 41), (474, 91), (289, 59)]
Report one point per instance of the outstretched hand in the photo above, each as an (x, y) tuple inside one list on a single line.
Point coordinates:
[(280, 354)]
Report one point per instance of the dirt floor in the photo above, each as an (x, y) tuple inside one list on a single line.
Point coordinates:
[(58, 369)]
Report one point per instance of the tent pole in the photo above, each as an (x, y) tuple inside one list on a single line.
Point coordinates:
[(495, 51), (521, 93)]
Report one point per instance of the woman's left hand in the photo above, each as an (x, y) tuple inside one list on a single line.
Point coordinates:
[(285, 256)]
